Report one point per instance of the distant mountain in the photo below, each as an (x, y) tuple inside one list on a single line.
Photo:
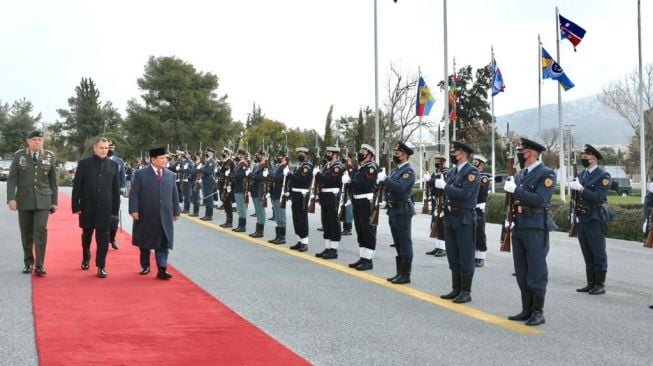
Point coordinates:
[(594, 123)]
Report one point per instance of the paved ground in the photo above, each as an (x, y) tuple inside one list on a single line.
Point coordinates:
[(333, 316)]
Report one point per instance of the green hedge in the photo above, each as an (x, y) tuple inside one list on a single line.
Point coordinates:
[(64, 179)]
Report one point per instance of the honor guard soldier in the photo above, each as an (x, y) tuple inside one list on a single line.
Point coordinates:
[(32, 190), (196, 178), (224, 186), (185, 169), (532, 188), (278, 187), (398, 198), (363, 186), (257, 190), (349, 209), (207, 184), (591, 188), (459, 221), (301, 180), (113, 227), (238, 189), (481, 201), (440, 248), (330, 184)]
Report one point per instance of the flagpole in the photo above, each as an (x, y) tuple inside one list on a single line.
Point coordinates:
[(454, 98), (376, 85), (563, 170), (446, 88), (421, 144), (640, 109), (493, 67), (539, 86)]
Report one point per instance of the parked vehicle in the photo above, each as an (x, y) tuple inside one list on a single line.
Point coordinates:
[(622, 186)]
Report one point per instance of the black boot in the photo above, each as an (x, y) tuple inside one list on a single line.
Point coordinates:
[(281, 235), (196, 210), (163, 274), (365, 265), (537, 316), (241, 226), (259, 231), (397, 261), (230, 220), (589, 272), (526, 307), (404, 273), (599, 283), (455, 287), (465, 289), (276, 236)]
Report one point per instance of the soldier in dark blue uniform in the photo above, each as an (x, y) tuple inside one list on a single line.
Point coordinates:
[(185, 169), (591, 188), (363, 187), (276, 189), (459, 221), (532, 188), (196, 179), (401, 209), (241, 171), (330, 184), (226, 176), (300, 185), (481, 241), (257, 190), (207, 184)]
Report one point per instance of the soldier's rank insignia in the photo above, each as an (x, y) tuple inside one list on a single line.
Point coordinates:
[(548, 182), (305, 170), (406, 175), (371, 170), (336, 169), (471, 177), (605, 181)]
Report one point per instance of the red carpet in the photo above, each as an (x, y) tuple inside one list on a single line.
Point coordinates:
[(129, 319)]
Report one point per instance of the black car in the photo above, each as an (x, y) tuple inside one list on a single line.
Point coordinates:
[(622, 186)]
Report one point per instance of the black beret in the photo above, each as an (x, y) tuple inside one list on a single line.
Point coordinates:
[(457, 145), (589, 149), (530, 144), (35, 133), (157, 152), (403, 147)]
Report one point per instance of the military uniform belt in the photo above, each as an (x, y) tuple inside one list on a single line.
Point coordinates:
[(330, 190), (448, 209), (300, 190), (529, 210), (364, 196)]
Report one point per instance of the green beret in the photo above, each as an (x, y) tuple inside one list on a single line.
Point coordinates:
[(35, 133)]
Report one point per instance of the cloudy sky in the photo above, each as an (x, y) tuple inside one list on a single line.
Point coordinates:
[(295, 58)]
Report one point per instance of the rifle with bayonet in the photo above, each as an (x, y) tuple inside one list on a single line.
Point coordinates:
[(344, 195), (438, 201), (573, 207), (509, 209), (427, 190)]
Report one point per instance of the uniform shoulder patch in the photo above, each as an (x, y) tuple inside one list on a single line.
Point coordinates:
[(548, 182), (336, 169), (471, 177), (405, 175), (605, 181), (305, 170)]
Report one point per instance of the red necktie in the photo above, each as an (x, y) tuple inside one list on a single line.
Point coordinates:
[(158, 174)]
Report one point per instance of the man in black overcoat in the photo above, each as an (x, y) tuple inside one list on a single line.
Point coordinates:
[(154, 205), (96, 198)]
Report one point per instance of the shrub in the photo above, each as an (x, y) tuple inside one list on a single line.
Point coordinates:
[(64, 179)]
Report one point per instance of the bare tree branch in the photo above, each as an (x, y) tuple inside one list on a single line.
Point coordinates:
[(622, 96)]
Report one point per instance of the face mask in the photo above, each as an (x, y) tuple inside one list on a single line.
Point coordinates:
[(237, 158), (301, 158), (278, 160), (585, 162), (257, 159), (396, 159), (522, 160), (360, 157), (110, 153), (454, 159), (224, 156), (206, 156)]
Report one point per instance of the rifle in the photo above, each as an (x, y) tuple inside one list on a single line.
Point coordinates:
[(344, 195), (573, 205), (510, 209), (427, 191), (248, 183), (438, 202), (374, 218), (265, 185), (314, 188), (284, 189), (648, 243)]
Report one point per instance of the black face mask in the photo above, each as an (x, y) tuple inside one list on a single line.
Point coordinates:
[(279, 160), (237, 158), (360, 157), (454, 159), (224, 156), (396, 159), (522, 160), (301, 158), (110, 153), (585, 162), (257, 159)]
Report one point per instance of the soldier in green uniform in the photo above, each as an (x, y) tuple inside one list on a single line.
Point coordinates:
[(32, 190)]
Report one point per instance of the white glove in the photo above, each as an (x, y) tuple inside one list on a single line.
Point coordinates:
[(345, 178), (383, 204), (650, 187), (267, 195), (248, 172), (227, 173), (427, 177), (286, 171), (200, 165), (228, 189), (509, 186), (381, 176), (481, 206), (315, 171), (348, 203), (265, 173), (509, 225), (644, 227), (287, 194), (185, 166), (442, 213), (575, 185), (215, 170), (440, 183)]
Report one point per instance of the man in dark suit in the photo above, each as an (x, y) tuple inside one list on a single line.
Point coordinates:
[(96, 199), (154, 205)]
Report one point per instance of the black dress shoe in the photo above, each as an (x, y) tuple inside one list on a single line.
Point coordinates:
[(322, 253), (114, 244), (40, 271), (356, 264), (432, 252), (462, 297), (346, 232), (185, 211), (650, 306), (365, 265), (296, 246), (144, 271), (330, 254), (393, 245), (193, 215), (163, 275), (320, 229), (27, 269), (206, 218), (303, 247), (480, 263), (440, 253), (84, 265), (101, 273)]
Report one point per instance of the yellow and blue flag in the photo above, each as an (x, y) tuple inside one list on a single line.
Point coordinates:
[(425, 99), (551, 70)]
